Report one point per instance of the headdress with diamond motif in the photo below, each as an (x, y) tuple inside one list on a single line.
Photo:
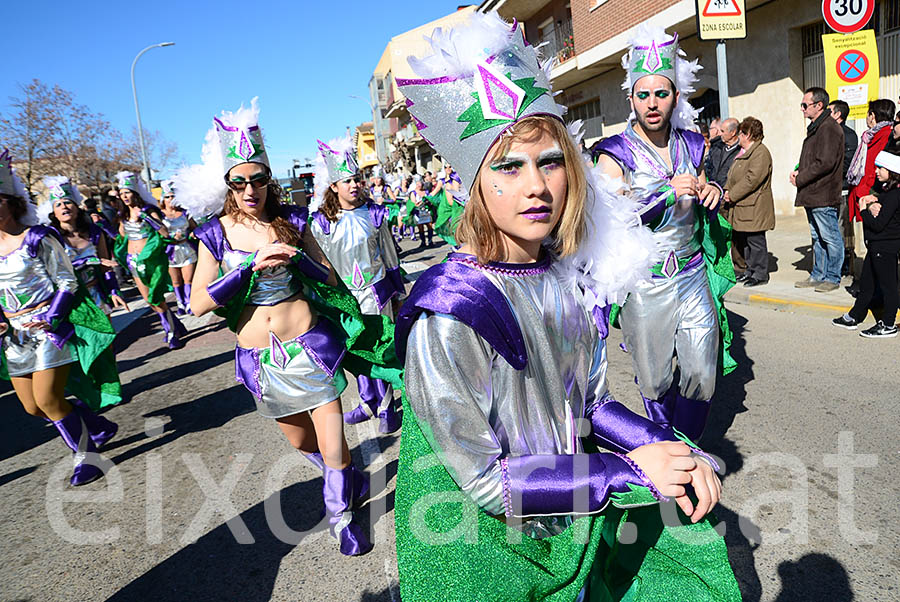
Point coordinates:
[(11, 185), (133, 182), (167, 187), (654, 52), (335, 161), (233, 139), (58, 188), (482, 78)]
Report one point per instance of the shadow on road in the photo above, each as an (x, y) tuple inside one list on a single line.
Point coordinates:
[(812, 578), (176, 373), (19, 431)]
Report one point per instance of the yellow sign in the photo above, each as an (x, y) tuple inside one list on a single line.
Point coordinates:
[(721, 19), (851, 69)]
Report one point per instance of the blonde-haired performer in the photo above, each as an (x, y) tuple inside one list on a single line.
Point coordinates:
[(505, 361)]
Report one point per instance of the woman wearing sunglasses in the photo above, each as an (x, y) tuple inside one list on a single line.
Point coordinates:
[(179, 248), (288, 355), (140, 249)]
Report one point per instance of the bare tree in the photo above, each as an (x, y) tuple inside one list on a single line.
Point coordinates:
[(29, 131), (161, 152)]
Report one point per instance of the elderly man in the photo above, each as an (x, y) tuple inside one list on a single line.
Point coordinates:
[(818, 179)]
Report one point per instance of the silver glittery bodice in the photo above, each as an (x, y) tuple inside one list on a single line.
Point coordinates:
[(26, 281), (477, 408), (87, 260), (359, 252), (138, 230), (272, 286), (678, 229), (178, 227)]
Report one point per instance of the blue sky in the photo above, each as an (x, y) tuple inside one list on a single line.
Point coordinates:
[(303, 59)]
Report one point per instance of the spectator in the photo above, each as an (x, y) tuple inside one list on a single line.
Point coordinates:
[(749, 206), (818, 182), (722, 151), (704, 131), (894, 144), (839, 111), (714, 129), (881, 225)]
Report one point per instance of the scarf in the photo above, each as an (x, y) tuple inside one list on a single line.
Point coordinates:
[(857, 169)]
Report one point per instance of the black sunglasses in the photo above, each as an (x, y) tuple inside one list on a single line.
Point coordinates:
[(260, 180)]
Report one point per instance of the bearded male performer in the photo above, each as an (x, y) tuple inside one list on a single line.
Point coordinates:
[(660, 163)]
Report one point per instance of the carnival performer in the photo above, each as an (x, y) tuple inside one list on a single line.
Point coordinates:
[(660, 164), (419, 212), (84, 243), (53, 337), (355, 236), (180, 249), (139, 248), (505, 365), (290, 347), (448, 200)]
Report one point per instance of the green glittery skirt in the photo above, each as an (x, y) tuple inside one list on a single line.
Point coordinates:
[(448, 549)]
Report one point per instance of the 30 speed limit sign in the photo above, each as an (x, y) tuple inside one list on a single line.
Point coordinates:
[(847, 16)]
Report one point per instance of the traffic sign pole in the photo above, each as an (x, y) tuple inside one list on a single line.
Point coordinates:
[(722, 70)]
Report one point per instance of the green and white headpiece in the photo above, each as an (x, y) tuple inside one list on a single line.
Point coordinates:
[(11, 185), (58, 188), (335, 161), (133, 182), (168, 187), (482, 78), (240, 139), (654, 52)]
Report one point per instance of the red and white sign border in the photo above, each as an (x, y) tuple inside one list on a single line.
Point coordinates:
[(852, 28)]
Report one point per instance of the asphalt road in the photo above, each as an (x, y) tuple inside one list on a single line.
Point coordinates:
[(208, 502)]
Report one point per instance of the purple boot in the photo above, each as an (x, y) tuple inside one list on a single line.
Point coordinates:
[(391, 419), (371, 394), (179, 300), (339, 494), (186, 293), (173, 329), (690, 416), (360, 480), (100, 429), (662, 410), (75, 434)]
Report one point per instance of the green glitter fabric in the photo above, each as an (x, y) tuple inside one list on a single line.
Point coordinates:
[(410, 219), (447, 215), (94, 378), (448, 549), (152, 265)]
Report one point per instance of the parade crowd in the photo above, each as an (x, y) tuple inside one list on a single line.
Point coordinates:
[(495, 360)]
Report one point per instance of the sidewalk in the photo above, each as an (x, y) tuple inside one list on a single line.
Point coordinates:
[(790, 260)]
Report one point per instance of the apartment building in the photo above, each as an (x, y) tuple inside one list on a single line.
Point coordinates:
[(767, 71)]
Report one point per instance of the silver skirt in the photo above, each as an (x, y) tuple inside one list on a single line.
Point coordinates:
[(30, 350), (289, 377), (182, 254)]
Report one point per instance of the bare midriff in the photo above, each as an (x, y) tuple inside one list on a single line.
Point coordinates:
[(288, 319)]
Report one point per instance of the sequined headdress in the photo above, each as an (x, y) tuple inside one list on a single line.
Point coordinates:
[(240, 139), (11, 185), (233, 139), (131, 181), (654, 52), (168, 187), (335, 161), (481, 79), (58, 188)]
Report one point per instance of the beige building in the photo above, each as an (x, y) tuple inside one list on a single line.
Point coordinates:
[(399, 146), (767, 71)]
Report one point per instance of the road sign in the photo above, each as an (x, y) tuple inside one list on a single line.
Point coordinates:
[(847, 16), (851, 69), (721, 19)]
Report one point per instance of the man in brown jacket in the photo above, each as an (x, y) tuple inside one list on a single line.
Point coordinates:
[(818, 180)]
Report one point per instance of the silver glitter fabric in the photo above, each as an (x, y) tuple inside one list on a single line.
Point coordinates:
[(27, 281), (462, 114), (273, 285), (89, 272), (239, 143), (183, 253), (360, 254), (340, 164), (656, 58), (138, 230), (677, 314), (29, 350), (478, 409)]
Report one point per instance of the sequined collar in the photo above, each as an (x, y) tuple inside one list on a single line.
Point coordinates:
[(506, 269)]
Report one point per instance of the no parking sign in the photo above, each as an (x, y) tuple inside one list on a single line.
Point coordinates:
[(851, 69)]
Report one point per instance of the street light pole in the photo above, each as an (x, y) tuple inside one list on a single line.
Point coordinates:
[(137, 109)]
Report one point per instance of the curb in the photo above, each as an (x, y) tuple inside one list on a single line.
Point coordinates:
[(781, 304)]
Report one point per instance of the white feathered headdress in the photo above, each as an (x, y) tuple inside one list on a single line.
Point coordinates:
[(334, 162), (58, 187), (654, 52), (130, 181)]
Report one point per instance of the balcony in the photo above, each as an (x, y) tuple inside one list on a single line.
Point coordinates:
[(560, 42)]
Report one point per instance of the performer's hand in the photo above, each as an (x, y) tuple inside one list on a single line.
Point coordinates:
[(727, 197), (38, 324), (708, 488), (709, 196), (684, 184), (273, 255), (109, 263), (4, 327), (794, 177), (875, 209), (667, 465), (119, 303)]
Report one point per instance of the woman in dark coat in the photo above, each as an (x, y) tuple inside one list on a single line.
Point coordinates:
[(749, 206)]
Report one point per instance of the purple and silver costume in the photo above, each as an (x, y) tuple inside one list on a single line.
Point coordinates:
[(675, 312), (182, 253), (99, 282)]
